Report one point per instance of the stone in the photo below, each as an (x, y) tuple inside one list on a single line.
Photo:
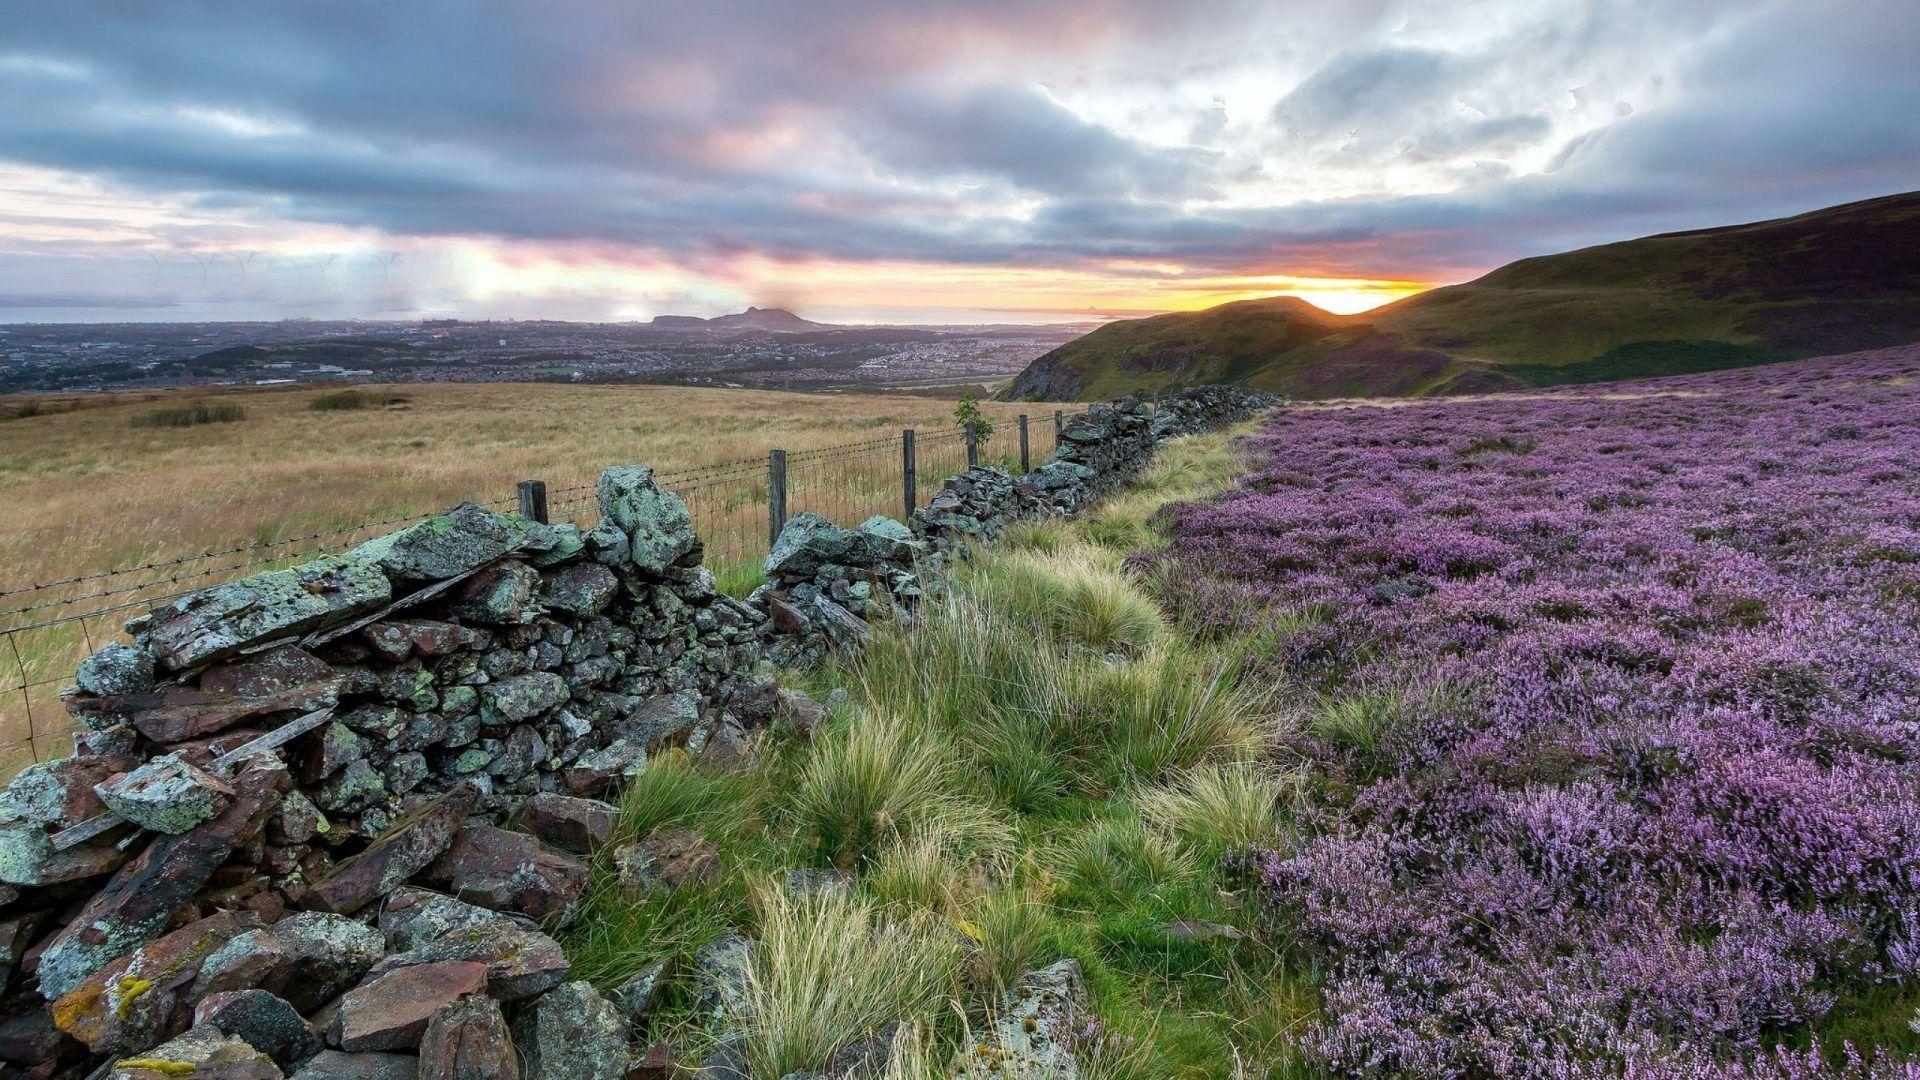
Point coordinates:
[(445, 545), (391, 1012), (636, 995), (177, 713), (468, 1040), (609, 546), (265, 1022), (339, 1065), (581, 588), (140, 998), (566, 543), (116, 668), (809, 881), (656, 1062), (297, 821), (807, 542), (801, 714), (60, 792), (510, 871), (657, 721), (888, 540), (522, 697), (275, 671), (502, 595), (658, 527), (580, 826), (136, 906), (593, 773), (1030, 1031), (166, 795), (203, 1054), (332, 748), (668, 859), (572, 1033), (27, 857), (353, 788), (412, 918), (328, 953), (29, 1037), (520, 962), (405, 849), (218, 622), (720, 973), (729, 748)]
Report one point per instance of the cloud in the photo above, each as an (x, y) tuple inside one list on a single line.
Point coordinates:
[(708, 145)]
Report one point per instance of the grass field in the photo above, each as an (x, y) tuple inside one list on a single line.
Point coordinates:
[(98, 482)]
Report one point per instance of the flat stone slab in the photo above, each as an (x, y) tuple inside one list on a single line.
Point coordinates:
[(391, 1012), (219, 622), (410, 846)]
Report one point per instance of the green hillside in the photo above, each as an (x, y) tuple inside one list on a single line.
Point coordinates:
[(1830, 281)]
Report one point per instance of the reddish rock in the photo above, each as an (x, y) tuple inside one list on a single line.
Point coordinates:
[(28, 1037), (338, 1065), (468, 1040), (656, 1063), (669, 858), (391, 1012), (571, 824), (520, 962), (60, 793), (140, 901), (412, 918), (273, 672), (176, 713), (141, 998), (510, 871), (410, 846), (596, 771)]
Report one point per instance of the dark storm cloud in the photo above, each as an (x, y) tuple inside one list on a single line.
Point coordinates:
[(941, 132)]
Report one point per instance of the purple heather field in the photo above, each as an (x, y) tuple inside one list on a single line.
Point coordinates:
[(1613, 699)]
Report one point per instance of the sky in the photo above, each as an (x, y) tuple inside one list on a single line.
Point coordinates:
[(934, 161)]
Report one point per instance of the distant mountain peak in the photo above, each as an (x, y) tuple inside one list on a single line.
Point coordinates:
[(775, 320)]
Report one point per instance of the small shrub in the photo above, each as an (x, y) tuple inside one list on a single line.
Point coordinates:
[(968, 412), (350, 400), (828, 968), (185, 416)]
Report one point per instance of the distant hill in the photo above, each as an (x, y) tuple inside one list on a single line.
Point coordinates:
[(775, 320), (1835, 280)]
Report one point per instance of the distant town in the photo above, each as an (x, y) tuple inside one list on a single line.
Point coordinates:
[(762, 348)]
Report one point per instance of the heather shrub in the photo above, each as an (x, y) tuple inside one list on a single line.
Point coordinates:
[(1665, 809)]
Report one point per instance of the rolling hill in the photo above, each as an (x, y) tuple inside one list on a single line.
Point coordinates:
[(1834, 280)]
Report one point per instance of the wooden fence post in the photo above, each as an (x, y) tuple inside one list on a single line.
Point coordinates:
[(1059, 426), (533, 500), (1026, 462), (973, 445), (909, 474), (776, 493)]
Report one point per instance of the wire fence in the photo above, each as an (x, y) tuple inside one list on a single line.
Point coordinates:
[(46, 628)]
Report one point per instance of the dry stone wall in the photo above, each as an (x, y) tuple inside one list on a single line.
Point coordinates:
[(319, 822)]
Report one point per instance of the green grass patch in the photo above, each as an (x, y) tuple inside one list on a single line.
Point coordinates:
[(186, 416)]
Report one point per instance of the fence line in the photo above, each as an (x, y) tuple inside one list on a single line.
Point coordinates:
[(736, 507)]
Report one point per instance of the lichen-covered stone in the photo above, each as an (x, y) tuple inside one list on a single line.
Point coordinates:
[(412, 918), (445, 545), (572, 1033), (116, 668), (502, 595), (670, 858), (267, 1023), (636, 995), (520, 962), (204, 1054), (565, 542), (580, 588), (340, 1065), (408, 847), (60, 792), (218, 622), (522, 697), (807, 542), (572, 824), (27, 857), (137, 999), (657, 524), (1030, 1031), (167, 795)]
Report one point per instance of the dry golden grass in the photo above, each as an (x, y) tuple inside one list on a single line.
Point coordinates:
[(90, 489)]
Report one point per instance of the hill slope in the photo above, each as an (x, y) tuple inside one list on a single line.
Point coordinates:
[(1833, 280)]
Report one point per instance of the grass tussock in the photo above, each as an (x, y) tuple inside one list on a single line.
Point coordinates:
[(1220, 808), (878, 781), (186, 416), (831, 967)]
